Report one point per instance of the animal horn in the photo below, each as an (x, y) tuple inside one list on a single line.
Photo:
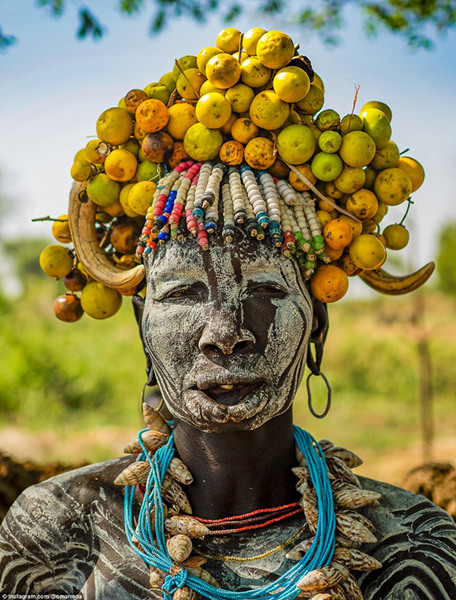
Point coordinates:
[(81, 216), (394, 285)]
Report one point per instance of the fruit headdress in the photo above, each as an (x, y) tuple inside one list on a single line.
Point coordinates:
[(234, 137)]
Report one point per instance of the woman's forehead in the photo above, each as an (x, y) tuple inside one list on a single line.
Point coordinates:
[(248, 260)]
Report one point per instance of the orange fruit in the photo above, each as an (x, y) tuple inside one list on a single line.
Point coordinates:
[(338, 233), (259, 153), (298, 183), (152, 115), (329, 283), (133, 99), (232, 153)]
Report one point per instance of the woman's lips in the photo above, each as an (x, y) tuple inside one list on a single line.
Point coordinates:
[(230, 394)]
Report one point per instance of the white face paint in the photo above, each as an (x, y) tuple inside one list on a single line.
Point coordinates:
[(227, 332)]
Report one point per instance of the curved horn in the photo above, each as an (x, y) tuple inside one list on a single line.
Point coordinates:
[(81, 216), (394, 285)]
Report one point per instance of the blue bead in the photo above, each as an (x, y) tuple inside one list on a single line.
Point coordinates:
[(148, 250), (198, 213), (163, 236)]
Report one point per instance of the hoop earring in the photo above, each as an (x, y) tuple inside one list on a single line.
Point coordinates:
[(314, 366)]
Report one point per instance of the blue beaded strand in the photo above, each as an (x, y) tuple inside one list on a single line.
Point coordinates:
[(153, 544)]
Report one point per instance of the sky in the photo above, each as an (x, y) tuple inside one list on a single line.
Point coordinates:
[(54, 87)]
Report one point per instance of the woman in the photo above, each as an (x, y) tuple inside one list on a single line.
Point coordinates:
[(226, 332)]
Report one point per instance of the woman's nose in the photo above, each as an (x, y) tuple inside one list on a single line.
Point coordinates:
[(224, 333)]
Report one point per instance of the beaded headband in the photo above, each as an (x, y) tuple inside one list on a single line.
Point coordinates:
[(187, 200)]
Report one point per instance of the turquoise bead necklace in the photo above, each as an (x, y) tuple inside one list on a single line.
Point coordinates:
[(152, 540)]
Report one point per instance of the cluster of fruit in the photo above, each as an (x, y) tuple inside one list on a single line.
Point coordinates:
[(251, 98)]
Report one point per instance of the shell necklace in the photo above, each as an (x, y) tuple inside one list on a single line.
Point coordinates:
[(330, 496)]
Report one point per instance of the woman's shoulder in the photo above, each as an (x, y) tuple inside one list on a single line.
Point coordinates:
[(416, 546)]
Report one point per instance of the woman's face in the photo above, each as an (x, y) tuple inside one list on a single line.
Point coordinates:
[(227, 332)]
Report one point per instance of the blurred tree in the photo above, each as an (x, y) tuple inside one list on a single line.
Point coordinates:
[(414, 20), (446, 262)]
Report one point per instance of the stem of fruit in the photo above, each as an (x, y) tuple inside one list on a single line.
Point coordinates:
[(409, 203)]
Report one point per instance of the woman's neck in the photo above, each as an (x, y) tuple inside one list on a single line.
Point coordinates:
[(238, 472)]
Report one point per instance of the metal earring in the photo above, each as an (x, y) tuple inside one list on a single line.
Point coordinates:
[(143, 395), (314, 366)]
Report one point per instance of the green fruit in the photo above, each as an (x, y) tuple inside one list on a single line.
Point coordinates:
[(326, 167), (380, 105), (158, 91), (185, 62), (147, 170), (169, 80), (376, 124), (330, 141), (357, 149), (328, 119), (102, 190), (351, 123), (312, 102), (296, 144), (386, 157)]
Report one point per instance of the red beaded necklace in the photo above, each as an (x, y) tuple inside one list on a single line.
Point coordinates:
[(251, 520)]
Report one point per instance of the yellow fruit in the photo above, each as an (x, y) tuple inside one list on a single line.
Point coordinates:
[(350, 180), (243, 57), (133, 99), (114, 126), (337, 233), (297, 182), (181, 117), (140, 196), (91, 152), (396, 236), (363, 204), (367, 251), (228, 40), (120, 165), (226, 129), (223, 70), (253, 73), (232, 153), (329, 283), (328, 119), (275, 49), (380, 105), (369, 226), (240, 97), (413, 169), (376, 124), (102, 190), (347, 265), (351, 123), (371, 175), (140, 134), (330, 141), (318, 82), (251, 38), (268, 111), (80, 171), (392, 186), (202, 143), (169, 80), (189, 83), (56, 261), (332, 191), (157, 147), (152, 115), (213, 110), (291, 84), (114, 210), (386, 157), (357, 149), (99, 301), (295, 144), (324, 217), (185, 62), (123, 199), (326, 167), (61, 229), (259, 153), (312, 102), (208, 87), (204, 55), (381, 212)]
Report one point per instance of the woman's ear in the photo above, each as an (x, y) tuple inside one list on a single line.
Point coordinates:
[(320, 324), (138, 308)]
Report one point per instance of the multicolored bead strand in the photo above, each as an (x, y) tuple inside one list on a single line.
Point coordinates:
[(255, 198), (237, 196), (314, 223), (228, 213)]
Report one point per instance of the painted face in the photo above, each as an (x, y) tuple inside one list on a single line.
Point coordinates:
[(227, 332)]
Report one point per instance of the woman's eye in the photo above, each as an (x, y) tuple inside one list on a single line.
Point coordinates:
[(268, 290), (191, 293)]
